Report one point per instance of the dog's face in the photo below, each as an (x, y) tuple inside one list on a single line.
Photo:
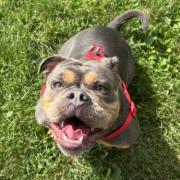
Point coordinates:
[(81, 101)]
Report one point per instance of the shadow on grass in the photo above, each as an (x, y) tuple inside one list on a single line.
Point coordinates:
[(151, 157)]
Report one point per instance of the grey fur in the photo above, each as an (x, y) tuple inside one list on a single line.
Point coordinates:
[(119, 20), (118, 64)]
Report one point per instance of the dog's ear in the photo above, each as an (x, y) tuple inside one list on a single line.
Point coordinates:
[(111, 62), (48, 64)]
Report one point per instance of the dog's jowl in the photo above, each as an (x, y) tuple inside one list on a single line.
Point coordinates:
[(85, 98)]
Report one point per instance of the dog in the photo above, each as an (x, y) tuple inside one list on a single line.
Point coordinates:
[(85, 98)]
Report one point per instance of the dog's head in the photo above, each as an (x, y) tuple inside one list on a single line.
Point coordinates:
[(81, 101)]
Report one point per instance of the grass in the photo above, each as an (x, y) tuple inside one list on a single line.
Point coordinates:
[(32, 30)]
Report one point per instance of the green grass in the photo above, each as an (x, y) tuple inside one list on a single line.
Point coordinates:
[(32, 30)]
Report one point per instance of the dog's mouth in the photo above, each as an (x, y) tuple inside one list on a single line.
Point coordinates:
[(73, 132)]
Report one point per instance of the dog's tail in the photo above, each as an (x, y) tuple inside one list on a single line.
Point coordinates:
[(119, 20)]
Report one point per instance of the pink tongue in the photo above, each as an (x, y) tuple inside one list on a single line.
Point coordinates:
[(74, 134)]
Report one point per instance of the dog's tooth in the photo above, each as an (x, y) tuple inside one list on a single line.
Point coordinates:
[(80, 140), (62, 124)]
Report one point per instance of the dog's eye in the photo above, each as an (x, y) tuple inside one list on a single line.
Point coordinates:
[(57, 84), (101, 88)]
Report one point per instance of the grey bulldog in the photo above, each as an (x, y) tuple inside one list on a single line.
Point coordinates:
[(84, 99)]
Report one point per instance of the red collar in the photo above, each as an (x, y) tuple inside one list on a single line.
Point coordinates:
[(96, 52)]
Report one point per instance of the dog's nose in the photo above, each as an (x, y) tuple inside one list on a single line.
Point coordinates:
[(78, 98), (83, 97), (71, 96)]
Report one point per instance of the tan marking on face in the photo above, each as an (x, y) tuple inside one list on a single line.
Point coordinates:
[(90, 78), (69, 76), (111, 110), (51, 104), (46, 102)]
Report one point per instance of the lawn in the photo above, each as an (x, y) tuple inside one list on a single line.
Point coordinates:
[(32, 30)]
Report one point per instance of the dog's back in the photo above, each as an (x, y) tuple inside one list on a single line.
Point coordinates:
[(110, 39)]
